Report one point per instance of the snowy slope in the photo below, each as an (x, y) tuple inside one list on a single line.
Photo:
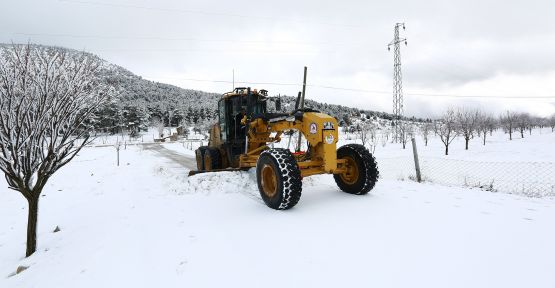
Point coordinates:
[(146, 224)]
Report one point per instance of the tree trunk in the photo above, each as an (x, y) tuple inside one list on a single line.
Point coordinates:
[(485, 138), (521, 133), (466, 143), (510, 135), (32, 226), (446, 149), (426, 142)]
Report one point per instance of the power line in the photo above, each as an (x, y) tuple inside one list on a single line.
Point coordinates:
[(227, 81), (481, 96), (359, 90), (223, 50), (256, 49), (202, 12), (120, 37)]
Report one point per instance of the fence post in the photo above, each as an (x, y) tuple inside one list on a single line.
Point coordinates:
[(416, 163), (117, 151)]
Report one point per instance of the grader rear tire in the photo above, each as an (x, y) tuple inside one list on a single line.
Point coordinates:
[(199, 155), (212, 159), (362, 170), (279, 179)]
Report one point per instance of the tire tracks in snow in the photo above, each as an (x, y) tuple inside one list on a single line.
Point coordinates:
[(174, 157)]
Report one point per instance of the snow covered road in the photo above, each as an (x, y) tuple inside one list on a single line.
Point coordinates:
[(146, 224), (179, 159)]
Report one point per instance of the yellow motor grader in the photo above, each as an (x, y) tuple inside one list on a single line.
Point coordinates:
[(245, 133)]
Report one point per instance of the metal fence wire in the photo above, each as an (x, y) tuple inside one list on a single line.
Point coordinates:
[(533, 179)]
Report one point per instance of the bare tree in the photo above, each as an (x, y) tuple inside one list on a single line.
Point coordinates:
[(372, 137), (447, 129), (522, 123), (492, 124), (159, 125), (552, 123), (362, 133), (508, 121), (46, 98), (535, 122), (425, 130), (541, 122), (384, 136), (367, 133), (405, 132), (467, 122), (485, 124)]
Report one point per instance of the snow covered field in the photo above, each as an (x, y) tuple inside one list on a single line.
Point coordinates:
[(523, 166), (146, 224)]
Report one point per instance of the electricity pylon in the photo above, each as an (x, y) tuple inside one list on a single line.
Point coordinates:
[(397, 78)]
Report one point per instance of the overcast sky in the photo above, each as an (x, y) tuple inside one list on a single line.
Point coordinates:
[(459, 48)]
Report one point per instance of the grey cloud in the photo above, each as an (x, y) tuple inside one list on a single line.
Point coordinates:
[(451, 43)]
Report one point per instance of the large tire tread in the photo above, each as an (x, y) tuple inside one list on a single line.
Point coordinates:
[(289, 178), (367, 167)]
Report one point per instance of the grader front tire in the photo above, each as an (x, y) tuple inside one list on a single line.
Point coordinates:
[(362, 170), (279, 179)]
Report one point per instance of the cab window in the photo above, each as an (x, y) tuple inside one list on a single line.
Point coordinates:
[(221, 114)]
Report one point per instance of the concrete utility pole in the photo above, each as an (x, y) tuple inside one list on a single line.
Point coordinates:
[(416, 162), (397, 78)]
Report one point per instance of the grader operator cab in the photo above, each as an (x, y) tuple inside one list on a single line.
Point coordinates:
[(245, 132)]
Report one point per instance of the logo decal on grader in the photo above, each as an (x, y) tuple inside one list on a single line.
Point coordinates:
[(329, 139), (313, 128), (245, 131), (328, 126)]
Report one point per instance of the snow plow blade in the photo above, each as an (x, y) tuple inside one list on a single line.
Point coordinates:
[(195, 172)]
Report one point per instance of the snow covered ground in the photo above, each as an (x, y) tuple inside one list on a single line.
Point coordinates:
[(532, 148), (146, 224)]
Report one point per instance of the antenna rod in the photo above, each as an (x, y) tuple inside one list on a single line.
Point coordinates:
[(233, 80), (304, 88), (301, 105)]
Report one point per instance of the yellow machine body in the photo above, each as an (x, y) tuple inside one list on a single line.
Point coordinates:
[(246, 135), (323, 142), (320, 131)]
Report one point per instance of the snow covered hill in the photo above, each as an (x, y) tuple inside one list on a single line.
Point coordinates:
[(146, 224), (174, 103)]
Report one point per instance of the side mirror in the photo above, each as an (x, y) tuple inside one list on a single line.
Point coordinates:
[(278, 104)]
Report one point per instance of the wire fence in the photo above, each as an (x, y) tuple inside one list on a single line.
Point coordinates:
[(533, 179), (193, 144)]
